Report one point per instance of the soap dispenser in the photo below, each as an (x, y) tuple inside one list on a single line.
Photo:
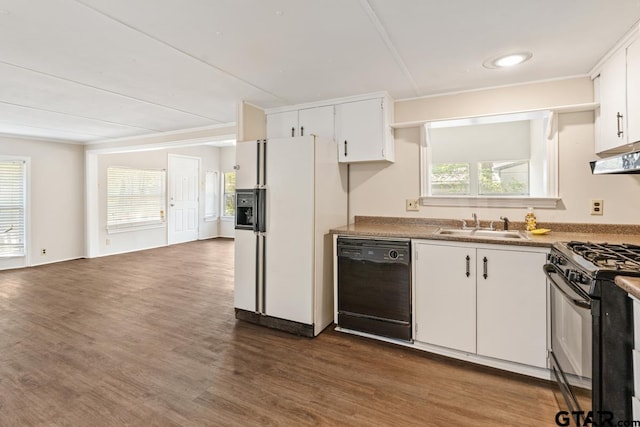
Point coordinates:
[(530, 220)]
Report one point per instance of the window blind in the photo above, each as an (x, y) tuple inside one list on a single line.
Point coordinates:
[(135, 197), (12, 207), (211, 188)]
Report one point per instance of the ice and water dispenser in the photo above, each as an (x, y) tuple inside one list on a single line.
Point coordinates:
[(245, 209)]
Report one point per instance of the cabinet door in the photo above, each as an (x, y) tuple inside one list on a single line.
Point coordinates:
[(317, 121), (445, 300), (512, 301), (282, 125), (359, 131), (633, 92), (611, 129)]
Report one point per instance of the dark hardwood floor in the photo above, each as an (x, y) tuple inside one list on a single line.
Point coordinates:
[(149, 338)]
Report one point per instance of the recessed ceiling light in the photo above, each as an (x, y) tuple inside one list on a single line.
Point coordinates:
[(279, 13), (507, 60)]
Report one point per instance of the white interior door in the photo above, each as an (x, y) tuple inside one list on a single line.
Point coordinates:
[(183, 198)]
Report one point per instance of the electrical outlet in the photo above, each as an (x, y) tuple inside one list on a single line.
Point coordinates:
[(597, 205), (43, 251), (412, 205)]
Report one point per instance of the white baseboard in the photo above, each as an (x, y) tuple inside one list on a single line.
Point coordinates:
[(35, 264), (131, 250), (517, 368)]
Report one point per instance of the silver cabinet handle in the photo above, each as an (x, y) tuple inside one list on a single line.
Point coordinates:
[(619, 118), (345, 148), (484, 268), (293, 132), (468, 260)]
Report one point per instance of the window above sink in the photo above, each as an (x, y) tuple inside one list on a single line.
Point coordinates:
[(507, 160)]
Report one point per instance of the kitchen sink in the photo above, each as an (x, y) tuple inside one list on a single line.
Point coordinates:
[(482, 233)]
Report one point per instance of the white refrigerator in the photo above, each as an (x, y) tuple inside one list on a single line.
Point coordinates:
[(284, 258)]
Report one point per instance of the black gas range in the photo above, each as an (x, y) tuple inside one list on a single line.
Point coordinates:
[(592, 327), (599, 260)]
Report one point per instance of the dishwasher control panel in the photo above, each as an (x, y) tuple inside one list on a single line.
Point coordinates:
[(375, 250)]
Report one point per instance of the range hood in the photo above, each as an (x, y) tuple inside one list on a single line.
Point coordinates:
[(624, 163)]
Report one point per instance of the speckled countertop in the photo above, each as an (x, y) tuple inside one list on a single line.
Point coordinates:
[(629, 284), (424, 228)]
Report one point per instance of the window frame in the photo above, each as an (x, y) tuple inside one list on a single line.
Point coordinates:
[(25, 207), (224, 194), (550, 174), (124, 227)]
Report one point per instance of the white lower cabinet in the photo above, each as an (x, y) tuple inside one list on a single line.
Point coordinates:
[(445, 300), (511, 307), (484, 299)]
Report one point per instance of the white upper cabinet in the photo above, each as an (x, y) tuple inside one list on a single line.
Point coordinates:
[(317, 121), (283, 125), (363, 131), (633, 91), (300, 122), (618, 89), (611, 122), (361, 126)]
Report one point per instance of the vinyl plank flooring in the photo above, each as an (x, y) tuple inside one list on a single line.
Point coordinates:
[(149, 339)]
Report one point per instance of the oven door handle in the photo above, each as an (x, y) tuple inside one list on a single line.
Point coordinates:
[(566, 288)]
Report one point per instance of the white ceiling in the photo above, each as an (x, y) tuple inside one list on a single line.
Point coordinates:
[(86, 70)]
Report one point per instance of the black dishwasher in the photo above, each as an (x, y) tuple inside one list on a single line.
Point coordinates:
[(374, 286)]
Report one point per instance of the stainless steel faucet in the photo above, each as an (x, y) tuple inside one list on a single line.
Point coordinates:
[(476, 220)]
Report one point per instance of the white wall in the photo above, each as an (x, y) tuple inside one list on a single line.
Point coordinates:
[(112, 243), (227, 161), (381, 189), (56, 199)]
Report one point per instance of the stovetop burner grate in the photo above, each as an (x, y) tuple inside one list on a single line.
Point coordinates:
[(623, 257)]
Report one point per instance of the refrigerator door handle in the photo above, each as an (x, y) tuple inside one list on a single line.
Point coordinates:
[(264, 162), (264, 275), (256, 204), (257, 162), (260, 225), (257, 277)]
